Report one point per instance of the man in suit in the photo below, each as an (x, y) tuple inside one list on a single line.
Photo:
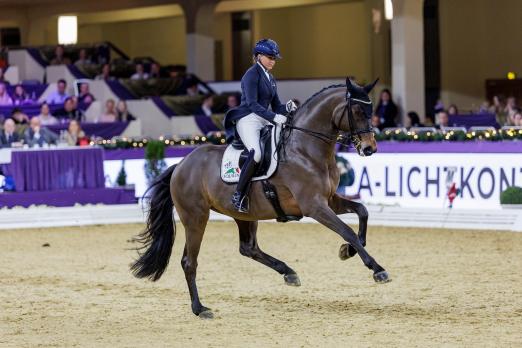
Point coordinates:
[(36, 135), (9, 135), (260, 106)]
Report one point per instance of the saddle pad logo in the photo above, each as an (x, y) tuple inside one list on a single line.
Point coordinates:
[(231, 172)]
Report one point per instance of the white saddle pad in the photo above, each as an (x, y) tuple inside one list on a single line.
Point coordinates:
[(230, 169)]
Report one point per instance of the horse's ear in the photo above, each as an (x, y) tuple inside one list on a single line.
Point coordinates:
[(369, 87), (349, 85)]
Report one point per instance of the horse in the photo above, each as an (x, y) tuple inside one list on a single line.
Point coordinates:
[(306, 181)]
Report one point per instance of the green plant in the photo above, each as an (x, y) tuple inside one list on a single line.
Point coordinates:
[(154, 160), (121, 180), (511, 195)]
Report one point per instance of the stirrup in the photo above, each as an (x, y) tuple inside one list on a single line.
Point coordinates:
[(241, 204)]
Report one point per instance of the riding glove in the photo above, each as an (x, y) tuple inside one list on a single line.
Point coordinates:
[(290, 106), (280, 119)]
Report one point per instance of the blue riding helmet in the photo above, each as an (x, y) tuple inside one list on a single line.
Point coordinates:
[(267, 47)]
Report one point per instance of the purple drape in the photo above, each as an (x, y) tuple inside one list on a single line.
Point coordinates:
[(104, 130), (35, 53), (163, 107), (28, 109), (118, 89), (205, 124), (472, 120), (47, 170), (73, 69)]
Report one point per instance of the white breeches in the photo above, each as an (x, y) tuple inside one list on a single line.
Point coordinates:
[(249, 129)]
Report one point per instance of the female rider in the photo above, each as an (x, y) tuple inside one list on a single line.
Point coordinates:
[(259, 92)]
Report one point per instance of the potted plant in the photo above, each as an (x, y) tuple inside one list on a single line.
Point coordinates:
[(154, 160), (511, 198)]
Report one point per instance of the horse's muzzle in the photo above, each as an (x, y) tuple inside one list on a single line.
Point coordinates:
[(368, 151)]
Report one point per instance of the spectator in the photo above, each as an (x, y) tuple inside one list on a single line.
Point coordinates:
[(38, 135), (413, 120), (83, 59), (85, 96), (46, 119), (110, 114), (5, 99), (453, 110), (74, 134), (2, 76), (206, 106), (511, 107), (512, 119), (20, 96), (155, 71), (232, 102), (376, 123), (123, 112), (387, 110), (517, 118), (443, 119), (70, 110), (9, 135), (60, 57), (105, 73), (140, 73), (192, 88), (60, 95), (21, 120)]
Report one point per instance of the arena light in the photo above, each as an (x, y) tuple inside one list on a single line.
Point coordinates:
[(511, 75), (67, 30), (388, 9)]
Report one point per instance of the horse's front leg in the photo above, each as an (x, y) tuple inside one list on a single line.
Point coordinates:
[(322, 213), (341, 205)]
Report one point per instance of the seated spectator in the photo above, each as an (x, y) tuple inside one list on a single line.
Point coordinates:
[(83, 59), (20, 97), (511, 107), (155, 71), (413, 120), (453, 110), (5, 99), (36, 135), (85, 96), (21, 120), (517, 118), (8, 136), (70, 110), (60, 57), (60, 95), (123, 113), (105, 73), (110, 114), (232, 102), (376, 123), (74, 134), (46, 119), (387, 110), (206, 106), (513, 118), (192, 87), (442, 119), (140, 73)]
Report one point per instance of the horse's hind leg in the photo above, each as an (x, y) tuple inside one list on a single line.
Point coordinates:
[(195, 223), (248, 247), (341, 205)]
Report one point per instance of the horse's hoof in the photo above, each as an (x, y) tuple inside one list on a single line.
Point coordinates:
[(381, 277), (292, 280), (206, 314), (346, 251)]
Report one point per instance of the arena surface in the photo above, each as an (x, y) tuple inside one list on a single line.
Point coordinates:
[(452, 288)]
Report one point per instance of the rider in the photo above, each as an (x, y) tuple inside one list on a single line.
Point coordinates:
[(259, 92)]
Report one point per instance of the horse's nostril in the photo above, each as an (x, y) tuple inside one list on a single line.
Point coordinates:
[(368, 150)]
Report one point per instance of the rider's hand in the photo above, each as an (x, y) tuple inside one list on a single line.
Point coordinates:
[(291, 106), (280, 119)]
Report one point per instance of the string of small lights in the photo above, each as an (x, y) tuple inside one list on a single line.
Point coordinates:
[(395, 135)]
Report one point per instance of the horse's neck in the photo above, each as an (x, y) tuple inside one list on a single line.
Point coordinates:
[(316, 117)]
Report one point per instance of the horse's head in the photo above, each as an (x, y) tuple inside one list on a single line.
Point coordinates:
[(354, 118)]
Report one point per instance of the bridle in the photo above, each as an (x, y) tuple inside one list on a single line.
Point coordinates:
[(343, 137)]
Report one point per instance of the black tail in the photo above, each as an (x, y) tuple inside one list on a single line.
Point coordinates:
[(158, 237)]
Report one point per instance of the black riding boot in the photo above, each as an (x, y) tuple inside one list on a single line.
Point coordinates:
[(240, 197)]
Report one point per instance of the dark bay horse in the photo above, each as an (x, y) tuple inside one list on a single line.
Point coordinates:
[(306, 183)]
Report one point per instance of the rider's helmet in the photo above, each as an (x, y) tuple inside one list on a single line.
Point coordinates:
[(267, 47)]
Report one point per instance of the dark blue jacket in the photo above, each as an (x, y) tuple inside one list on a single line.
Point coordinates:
[(258, 94)]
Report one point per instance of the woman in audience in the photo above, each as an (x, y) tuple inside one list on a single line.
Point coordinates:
[(74, 134), (105, 73), (45, 116), (453, 110), (413, 120), (60, 57), (123, 112), (5, 99), (387, 110), (83, 59), (20, 96), (110, 114), (140, 73)]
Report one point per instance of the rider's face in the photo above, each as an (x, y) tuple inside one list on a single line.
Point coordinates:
[(267, 61)]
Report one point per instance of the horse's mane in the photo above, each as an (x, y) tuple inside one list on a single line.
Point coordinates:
[(321, 91)]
